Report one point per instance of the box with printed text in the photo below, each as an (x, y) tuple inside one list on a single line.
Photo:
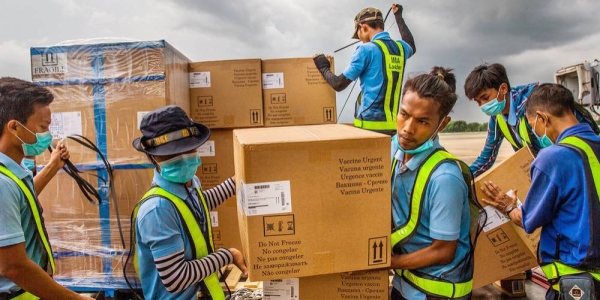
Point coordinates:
[(312, 200)]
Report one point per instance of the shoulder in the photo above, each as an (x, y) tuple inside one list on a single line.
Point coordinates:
[(8, 187), (548, 157), (155, 205), (448, 175)]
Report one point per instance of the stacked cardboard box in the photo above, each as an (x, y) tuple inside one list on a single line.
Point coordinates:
[(312, 200), (102, 91)]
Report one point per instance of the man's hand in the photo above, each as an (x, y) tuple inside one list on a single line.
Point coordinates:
[(59, 155), (238, 260), (397, 9), (321, 62), (498, 198)]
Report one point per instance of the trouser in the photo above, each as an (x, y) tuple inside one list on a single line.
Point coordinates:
[(395, 295)]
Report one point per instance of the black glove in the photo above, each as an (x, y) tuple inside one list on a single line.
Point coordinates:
[(321, 62), (400, 9)]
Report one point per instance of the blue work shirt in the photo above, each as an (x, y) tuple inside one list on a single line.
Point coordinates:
[(445, 215), (160, 232), (558, 200), (16, 222), (366, 64)]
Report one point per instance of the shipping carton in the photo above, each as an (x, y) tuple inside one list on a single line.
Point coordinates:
[(372, 285), (217, 166), (312, 200), (295, 93), (226, 94), (102, 91), (504, 249)]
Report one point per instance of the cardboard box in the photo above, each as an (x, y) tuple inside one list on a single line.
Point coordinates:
[(504, 249), (312, 200), (295, 93), (85, 238), (372, 285), (103, 90), (217, 166), (226, 94)]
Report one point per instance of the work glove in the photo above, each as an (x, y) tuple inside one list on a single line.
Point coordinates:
[(321, 62)]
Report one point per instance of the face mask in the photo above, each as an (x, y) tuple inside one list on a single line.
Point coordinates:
[(544, 140), (493, 107), (180, 169), (28, 163), (42, 143), (424, 147)]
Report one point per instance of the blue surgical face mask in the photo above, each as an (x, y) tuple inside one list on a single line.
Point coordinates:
[(543, 140), (424, 147), (43, 141), (493, 107), (28, 163), (180, 169)]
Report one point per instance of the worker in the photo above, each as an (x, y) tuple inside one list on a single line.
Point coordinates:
[(563, 198), (379, 64), (174, 253), (26, 261), (432, 250), (489, 86)]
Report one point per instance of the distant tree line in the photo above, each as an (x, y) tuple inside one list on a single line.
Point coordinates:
[(463, 126)]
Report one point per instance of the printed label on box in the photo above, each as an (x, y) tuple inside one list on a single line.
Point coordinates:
[(267, 198), (282, 289), (49, 63), (140, 116), (199, 80), (214, 218), (207, 149), (272, 80), (494, 218), (65, 124)]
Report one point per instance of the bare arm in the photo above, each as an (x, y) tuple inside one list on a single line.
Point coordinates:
[(57, 161), (18, 268), (438, 253)]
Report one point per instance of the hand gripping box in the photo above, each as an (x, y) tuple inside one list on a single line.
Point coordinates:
[(312, 200)]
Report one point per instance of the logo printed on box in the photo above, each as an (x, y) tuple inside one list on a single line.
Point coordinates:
[(328, 114), (378, 248), (49, 59), (204, 101), (49, 63), (209, 168), (255, 116), (498, 237), (279, 225), (278, 98)]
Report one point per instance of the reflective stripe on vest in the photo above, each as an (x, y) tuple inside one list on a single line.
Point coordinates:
[(393, 87), (402, 233), (592, 159), (508, 134), (555, 270), (37, 216), (523, 132), (195, 236), (25, 296)]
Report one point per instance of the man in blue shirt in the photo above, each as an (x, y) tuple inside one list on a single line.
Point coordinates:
[(430, 206), (379, 64), (174, 250), (26, 262), (563, 198), (488, 85)]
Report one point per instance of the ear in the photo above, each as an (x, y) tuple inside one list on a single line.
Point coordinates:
[(444, 123), (11, 126)]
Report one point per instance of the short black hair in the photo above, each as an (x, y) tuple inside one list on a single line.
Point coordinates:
[(485, 77), (439, 85), (375, 24), (553, 98), (18, 99)]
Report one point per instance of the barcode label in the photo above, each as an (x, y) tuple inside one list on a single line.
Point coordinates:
[(282, 289), (267, 198)]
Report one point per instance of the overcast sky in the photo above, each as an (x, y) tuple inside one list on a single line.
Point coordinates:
[(531, 38)]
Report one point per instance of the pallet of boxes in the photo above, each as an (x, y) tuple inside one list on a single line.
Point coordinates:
[(313, 197), (101, 91)]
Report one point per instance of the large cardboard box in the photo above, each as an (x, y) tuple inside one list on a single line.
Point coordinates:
[(295, 93), (226, 94), (312, 200), (103, 90), (372, 285), (503, 248), (85, 238), (217, 166)]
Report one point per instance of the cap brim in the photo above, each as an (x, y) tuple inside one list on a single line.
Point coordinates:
[(176, 147)]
